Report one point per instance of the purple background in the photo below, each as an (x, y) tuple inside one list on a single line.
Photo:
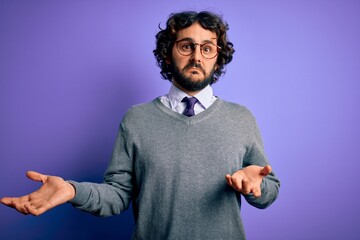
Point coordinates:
[(70, 69)]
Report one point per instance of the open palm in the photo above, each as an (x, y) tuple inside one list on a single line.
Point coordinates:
[(53, 192)]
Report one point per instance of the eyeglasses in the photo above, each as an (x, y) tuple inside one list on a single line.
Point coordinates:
[(186, 48)]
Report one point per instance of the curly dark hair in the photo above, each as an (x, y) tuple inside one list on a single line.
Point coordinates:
[(165, 40)]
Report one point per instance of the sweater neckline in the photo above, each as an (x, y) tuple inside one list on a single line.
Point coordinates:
[(190, 120)]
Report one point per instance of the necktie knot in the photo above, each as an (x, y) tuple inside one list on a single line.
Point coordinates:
[(190, 103)]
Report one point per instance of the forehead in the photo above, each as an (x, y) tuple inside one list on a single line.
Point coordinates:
[(197, 33)]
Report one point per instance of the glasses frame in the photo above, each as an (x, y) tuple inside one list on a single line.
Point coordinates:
[(194, 47)]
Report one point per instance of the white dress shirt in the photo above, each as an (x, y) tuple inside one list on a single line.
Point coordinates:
[(173, 99)]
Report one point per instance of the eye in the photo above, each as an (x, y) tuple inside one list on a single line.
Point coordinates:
[(207, 48), (186, 46)]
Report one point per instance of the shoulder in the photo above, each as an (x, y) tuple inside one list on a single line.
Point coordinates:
[(235, 110), (238, 115), (140, 113), (139, 110)]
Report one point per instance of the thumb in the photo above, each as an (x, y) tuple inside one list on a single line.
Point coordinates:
[(265, 170), (36, 176)]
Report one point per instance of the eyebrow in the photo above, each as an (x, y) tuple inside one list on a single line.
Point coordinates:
[(192, 40)]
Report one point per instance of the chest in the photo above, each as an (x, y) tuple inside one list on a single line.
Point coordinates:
[(195, 150)]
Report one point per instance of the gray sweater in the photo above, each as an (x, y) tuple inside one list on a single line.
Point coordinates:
[(173, 168)]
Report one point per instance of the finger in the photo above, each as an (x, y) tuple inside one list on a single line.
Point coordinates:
[(35, 211), (228, 179), (266, 170), (20, 207), (237, 182), (7, 201), (246, 186), (256, 192), (12, 202), (36, 176)]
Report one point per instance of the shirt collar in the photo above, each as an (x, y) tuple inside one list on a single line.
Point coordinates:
[(204, 96)]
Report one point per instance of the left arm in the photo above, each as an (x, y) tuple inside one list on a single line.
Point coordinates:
[(256, 180)]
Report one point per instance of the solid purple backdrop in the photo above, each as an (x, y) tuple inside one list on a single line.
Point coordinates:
[(70, 69)]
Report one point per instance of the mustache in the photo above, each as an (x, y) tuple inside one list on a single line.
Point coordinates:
[(194, 65)]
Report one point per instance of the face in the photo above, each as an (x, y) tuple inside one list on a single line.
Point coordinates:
[(194, 72)]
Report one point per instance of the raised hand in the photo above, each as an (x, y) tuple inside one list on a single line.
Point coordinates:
[(53, 192), (248, 179)]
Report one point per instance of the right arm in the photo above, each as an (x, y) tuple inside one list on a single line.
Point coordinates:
[(109, 198), (113, 196)]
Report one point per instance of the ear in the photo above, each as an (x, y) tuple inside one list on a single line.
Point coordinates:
[(167, 60)]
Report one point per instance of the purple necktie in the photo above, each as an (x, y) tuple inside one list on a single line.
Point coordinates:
[(190, 103)]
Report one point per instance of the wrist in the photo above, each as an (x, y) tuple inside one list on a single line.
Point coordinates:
[(72, 190)]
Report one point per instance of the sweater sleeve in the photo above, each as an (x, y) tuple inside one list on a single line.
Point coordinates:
[(256, 156), (113, 196)]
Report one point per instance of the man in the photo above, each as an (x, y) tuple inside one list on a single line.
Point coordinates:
[(184, 159)]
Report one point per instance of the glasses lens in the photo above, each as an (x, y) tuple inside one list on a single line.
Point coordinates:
[(208, 50), (185, 47)]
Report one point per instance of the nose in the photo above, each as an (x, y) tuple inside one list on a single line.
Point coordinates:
[(197, 53)]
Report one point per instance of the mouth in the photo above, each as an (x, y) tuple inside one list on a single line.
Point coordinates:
[(194, 69)]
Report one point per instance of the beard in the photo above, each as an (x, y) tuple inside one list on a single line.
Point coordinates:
[(189, 84)]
